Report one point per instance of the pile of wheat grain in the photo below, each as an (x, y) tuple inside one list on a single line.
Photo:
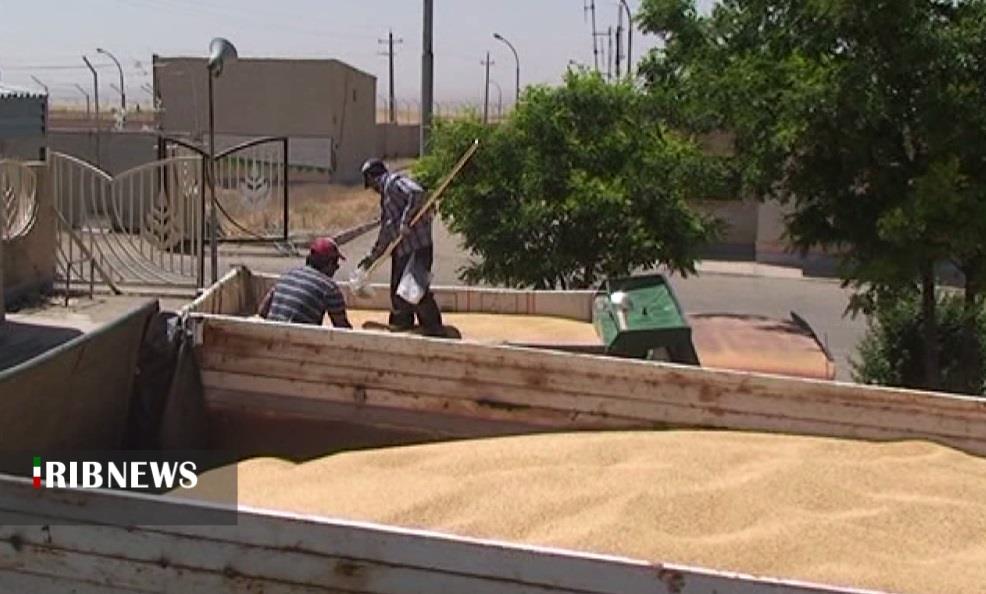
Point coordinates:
[(904, 517)]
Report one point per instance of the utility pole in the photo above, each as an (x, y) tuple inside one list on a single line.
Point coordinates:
[(629, 37), (427, 74), (390, 41), (591, 8), (609, 54), (619, 39), (486, 96)]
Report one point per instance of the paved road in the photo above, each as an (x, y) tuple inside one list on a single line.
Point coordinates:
[(821, 302)]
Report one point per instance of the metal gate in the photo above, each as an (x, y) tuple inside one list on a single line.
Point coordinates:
[(18, 199), (142, 227), (251, 186)]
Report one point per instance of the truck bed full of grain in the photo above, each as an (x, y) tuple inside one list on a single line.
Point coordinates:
[(905, 517)]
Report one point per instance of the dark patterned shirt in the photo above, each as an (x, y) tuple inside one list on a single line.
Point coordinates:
[(399, 201), (304, 295)]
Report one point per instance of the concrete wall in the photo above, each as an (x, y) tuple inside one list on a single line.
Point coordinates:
[(740, 222), (22, 149), (29, 260), (118, 150), (267, 97), (398, 140)]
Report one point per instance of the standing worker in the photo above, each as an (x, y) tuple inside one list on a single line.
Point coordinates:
[(306, 294), (400, 198)]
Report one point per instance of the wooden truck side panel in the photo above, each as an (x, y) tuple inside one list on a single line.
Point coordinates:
[(561, 391)]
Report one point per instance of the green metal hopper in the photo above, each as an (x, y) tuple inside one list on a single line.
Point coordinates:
[(640, 317)]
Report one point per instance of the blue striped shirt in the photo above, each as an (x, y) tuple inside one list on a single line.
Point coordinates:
[(399, 201), (304, 295)]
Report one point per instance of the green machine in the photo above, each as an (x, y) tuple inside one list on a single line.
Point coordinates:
[(640, 317)]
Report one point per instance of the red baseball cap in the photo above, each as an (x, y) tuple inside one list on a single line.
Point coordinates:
[(325, 248)]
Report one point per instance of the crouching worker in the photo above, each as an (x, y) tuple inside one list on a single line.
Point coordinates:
[(307, 293)]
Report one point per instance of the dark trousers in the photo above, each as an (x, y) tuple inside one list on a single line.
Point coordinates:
[(402, 313)]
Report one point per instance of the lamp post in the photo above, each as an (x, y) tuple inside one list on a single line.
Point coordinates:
[(95, 101), (499, 37), (123, 91), (86, 93), (220, 50)]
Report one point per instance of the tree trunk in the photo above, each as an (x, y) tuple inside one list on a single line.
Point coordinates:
[(932, 365), (970, 356)]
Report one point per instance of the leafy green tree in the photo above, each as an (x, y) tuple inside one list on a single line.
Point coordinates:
[(891, 353), (581, 182), (869, 117)]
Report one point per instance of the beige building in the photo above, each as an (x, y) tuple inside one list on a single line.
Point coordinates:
[(326, 107)]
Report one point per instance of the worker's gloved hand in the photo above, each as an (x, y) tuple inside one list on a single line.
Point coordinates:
[(366, 262)]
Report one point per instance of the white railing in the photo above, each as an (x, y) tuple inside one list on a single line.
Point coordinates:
[(18, 193), (142, 227)]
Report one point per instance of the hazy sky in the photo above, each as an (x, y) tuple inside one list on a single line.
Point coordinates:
[(47, 38)]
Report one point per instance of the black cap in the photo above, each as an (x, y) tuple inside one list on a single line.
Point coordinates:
[(372, 169)]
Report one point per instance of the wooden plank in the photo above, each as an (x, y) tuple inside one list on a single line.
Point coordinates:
[(575, 305), (429, 424), (544, 418), (514, 412), (675, 395), (27, 581), (228, 353), (624, 379), (228, 296), (271, 552)]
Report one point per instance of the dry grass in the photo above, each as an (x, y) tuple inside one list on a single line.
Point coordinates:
[(314, 207)]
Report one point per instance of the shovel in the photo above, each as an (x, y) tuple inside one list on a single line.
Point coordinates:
[(359, 282)]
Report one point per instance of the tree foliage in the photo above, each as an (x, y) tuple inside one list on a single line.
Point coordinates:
[(868, 117), (891, 353), (581, 182)]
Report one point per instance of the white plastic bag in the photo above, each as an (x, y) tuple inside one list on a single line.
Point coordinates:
[(414, 283)]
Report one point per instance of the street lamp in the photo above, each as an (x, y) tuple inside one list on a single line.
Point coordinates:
[(499, 37), (220, 50), (86, 93), (123, 92), (95, 93)]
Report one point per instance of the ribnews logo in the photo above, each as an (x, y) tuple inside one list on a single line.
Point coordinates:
[(154, 475), (124, 487)]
